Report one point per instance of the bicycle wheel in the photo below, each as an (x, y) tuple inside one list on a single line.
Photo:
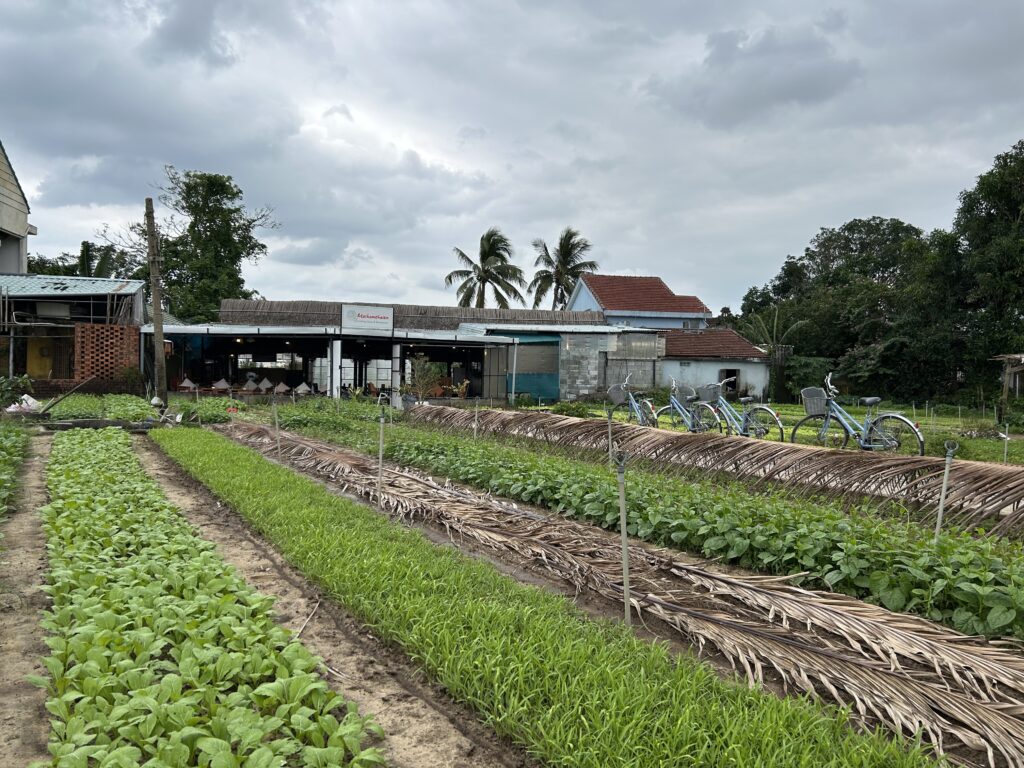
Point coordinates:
[(648, 415), (667, 418), (762, 424), (813, 430), (897, 434), (705, 419)]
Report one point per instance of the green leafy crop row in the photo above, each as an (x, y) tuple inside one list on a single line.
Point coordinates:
[(973, 583), (574, 692), (12, 450), (161, 656), (121, 407), (209, 410)]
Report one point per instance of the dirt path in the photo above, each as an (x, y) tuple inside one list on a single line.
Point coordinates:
[(24, 725), (425, 728)]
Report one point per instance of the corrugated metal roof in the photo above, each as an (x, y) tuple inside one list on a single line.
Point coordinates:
[(54, 285), (410, 316), (482, 328), (231, 329)]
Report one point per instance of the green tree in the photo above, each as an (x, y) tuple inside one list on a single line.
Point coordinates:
[(989, 226), (93, 260), (560, 271), (203, 258), (203, 243), (493, 269)]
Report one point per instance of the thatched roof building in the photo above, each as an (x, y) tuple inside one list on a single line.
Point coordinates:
[(407, 316)]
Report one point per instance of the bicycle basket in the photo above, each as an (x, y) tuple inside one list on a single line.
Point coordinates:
[(617, 394), (684, 390), (815, 401), (709, 393)]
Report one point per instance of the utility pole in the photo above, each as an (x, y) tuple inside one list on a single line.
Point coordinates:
[(159, 362)]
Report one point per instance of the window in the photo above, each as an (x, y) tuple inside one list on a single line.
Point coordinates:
[(728, 373)]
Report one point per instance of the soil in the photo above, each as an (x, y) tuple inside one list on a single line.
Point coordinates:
[(24, 724), (424, 727)]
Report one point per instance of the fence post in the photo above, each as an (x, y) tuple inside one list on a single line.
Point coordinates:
[(951, 448), (611, 445), (380, 453), (1006, 444), (277, 428), (476, 417), (620, 461)]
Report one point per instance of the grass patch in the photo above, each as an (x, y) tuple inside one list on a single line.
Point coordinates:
[(572, 691)]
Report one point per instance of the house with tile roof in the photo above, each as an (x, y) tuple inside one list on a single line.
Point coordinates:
[(641, 302), (709, 355), (14, 226)]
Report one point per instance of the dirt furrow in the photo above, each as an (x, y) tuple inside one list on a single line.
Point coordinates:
[(424, 727), (24, 724)]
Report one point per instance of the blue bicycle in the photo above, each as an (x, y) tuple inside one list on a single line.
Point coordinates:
[(639, 410), (758, 421), (689, 413), (829, 426)]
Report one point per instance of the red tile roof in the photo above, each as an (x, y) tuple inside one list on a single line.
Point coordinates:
[(709, 342), (640, 294)]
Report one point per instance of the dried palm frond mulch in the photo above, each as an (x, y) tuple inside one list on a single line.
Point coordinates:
[(979, 493), (905, 672)]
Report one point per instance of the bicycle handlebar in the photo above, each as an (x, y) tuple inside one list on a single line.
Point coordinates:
[(723, 382), (829, 388), (626, 382)]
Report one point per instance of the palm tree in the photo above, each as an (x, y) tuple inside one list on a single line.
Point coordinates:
[(560, 271), (757, 330), (95, 261), (494, 269)]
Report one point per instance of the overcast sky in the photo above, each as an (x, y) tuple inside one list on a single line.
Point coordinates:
[(698, 141)]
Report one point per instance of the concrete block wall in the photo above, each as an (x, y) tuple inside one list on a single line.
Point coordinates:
[(580, 363)]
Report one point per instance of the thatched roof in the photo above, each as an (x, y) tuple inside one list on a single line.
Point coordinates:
[(407, 316)]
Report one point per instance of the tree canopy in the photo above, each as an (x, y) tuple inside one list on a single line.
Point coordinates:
[(903, 313)]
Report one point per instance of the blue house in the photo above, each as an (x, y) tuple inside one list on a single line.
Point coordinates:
[(639, 302)]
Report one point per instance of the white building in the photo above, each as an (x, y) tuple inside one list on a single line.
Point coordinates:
[(710, 355), (14, 226), (639, 302)]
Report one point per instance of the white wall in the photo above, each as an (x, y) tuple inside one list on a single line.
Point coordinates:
[(753, 377)]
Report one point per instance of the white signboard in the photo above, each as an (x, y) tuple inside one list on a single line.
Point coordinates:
[(362, 317)]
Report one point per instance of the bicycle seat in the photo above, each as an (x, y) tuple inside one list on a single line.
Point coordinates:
[(870, 400), (692, 398), (746, 400)]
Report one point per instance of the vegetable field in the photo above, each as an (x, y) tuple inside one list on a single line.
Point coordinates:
[(975, 584), (778, 628), (160, 654)]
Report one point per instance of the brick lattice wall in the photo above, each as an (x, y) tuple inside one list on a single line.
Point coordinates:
[(104, 351)]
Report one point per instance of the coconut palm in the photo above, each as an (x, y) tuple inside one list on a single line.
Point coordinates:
[(493, 269), (559, 271)]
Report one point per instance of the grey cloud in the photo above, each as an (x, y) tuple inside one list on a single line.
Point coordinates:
[(469, 134), (750, 76), (528, 115), (341, 110), (189, 28)]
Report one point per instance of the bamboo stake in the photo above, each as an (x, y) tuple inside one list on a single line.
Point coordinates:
[(620, 460), (951, 448)]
